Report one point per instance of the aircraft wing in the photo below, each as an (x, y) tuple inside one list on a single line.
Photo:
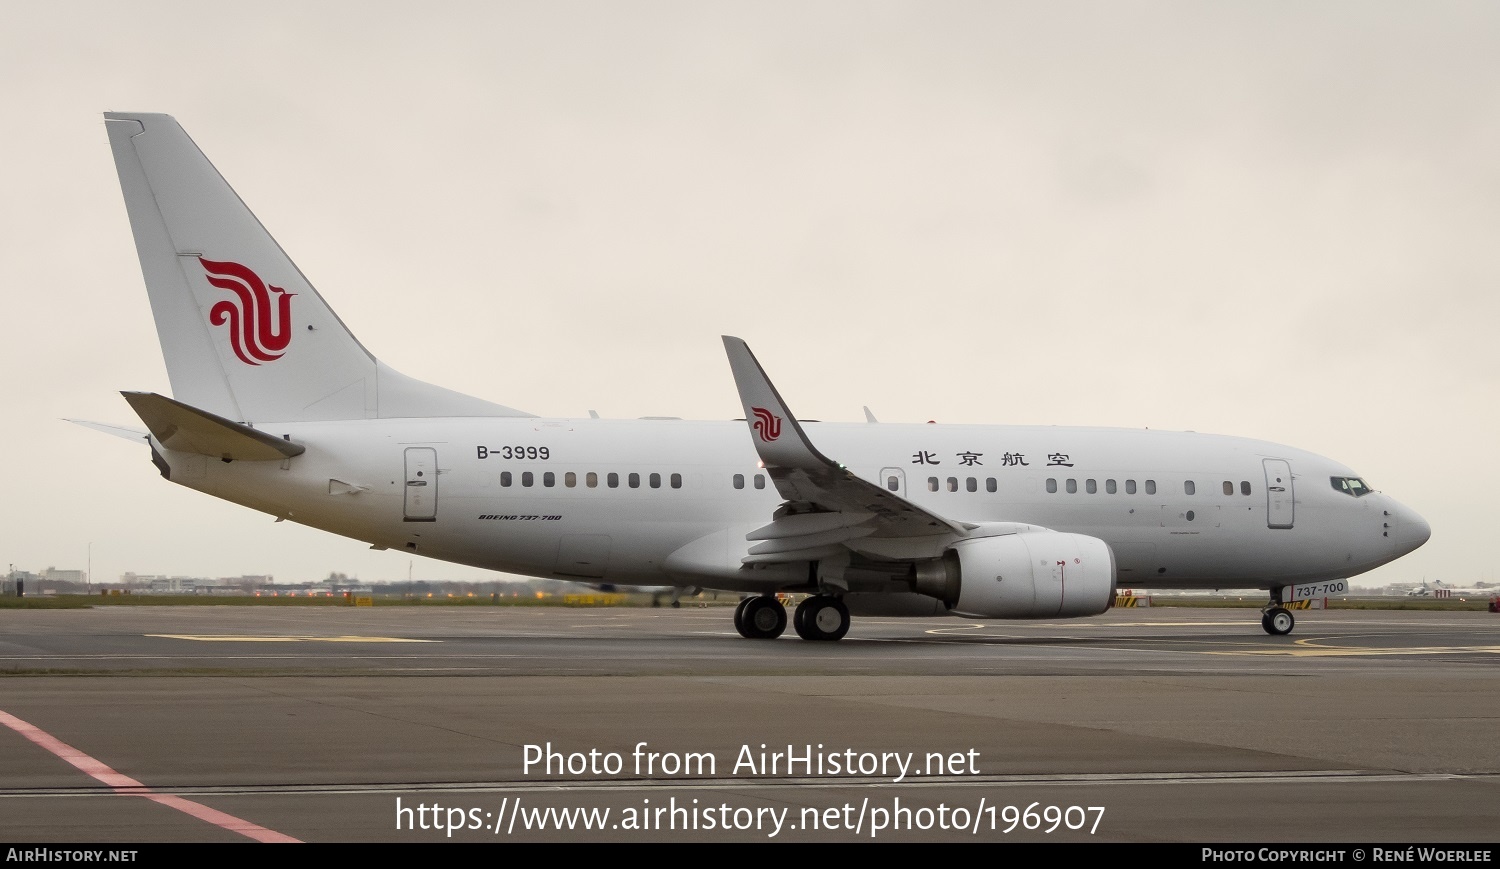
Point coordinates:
[(827, 504)]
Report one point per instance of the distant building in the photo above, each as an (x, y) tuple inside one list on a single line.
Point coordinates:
[(172, 584), (16, 579), (52, 574)]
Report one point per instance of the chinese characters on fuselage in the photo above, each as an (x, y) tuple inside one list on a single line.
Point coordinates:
[(1007, 460)]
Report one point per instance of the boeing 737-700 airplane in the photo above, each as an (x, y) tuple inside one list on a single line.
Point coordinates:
[(278, 407)]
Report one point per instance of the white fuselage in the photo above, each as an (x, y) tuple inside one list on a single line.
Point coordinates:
[(495, 502)]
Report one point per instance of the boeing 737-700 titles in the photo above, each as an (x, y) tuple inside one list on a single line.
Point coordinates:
[(277, 407)]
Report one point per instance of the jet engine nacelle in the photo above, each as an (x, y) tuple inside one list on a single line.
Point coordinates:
[(1036, 575)]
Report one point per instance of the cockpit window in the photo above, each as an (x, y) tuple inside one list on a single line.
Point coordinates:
[(1350, 486)]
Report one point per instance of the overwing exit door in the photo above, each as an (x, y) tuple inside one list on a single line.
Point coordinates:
[(894, 480)]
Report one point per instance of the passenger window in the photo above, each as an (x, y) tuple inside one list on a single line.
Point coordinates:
[(953, 484), (760, 481), (1244, 487), (505, 478), (614, 480), (1188, 488), (570, 479), (1150, 487), (739, 481), (971, 484), (1072, 487), (527, 479), (1228, 488), (593, 480), (656, 481), (1092, 486), (1109, 487), (677, 481), (549, 479), (932, 484), (1052, 485), (989, 484), (635, 480), (1130, 487), (893, 483)]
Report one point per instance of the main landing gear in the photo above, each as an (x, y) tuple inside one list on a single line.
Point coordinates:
[(760, 618), (821, 617), (1275, 619)]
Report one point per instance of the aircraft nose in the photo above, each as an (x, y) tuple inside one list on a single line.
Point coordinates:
[(1409, 530)]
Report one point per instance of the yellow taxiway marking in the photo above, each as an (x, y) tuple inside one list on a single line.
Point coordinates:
[(204, 638), (1170, 624), (948, 629), (1310, 649), (1306, 648)]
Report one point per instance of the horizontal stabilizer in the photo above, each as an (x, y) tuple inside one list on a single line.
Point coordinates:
[(119, 431), (187, 429)]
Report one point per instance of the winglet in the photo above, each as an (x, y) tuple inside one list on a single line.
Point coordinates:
[(778, 437), (803, 474)]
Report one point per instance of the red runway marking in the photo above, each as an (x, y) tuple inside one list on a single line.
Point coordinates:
[(124, 784)]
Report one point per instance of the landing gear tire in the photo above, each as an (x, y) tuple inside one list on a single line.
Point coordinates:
[(1277, 622), (760, 618), (821, 618)]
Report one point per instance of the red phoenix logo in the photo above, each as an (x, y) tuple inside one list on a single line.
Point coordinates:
[(767, 424), (259, 329)]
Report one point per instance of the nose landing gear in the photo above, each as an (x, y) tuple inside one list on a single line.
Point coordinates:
[(1275, 619)]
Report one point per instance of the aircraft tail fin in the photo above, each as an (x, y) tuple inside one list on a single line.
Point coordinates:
[(244, 334)]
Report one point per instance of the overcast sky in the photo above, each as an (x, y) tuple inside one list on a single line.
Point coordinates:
[(1270, 220)]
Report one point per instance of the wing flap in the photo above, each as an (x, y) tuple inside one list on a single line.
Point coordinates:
[(809, 541), (798, 524), (793, 555)]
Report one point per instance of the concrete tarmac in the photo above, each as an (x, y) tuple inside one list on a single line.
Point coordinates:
[(437, 724)]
